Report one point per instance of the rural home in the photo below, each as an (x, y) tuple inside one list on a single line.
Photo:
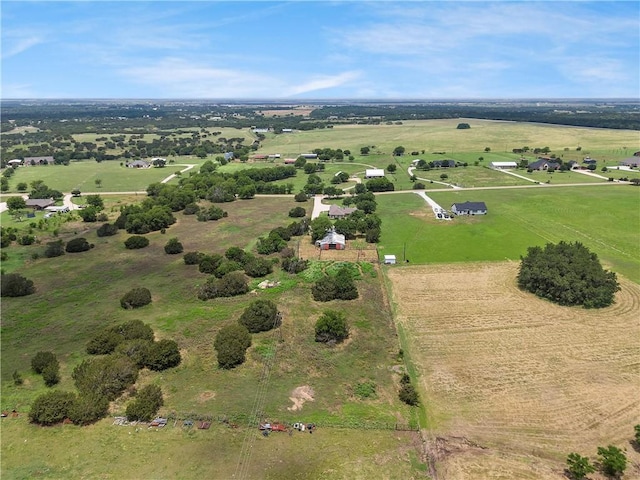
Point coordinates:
[(499, 165), (631, 162), (414, 163), (589, 161), (16, 162), (543, 164), (274, 155), (332, 241), (289, 161), (309, 155), (38, 161), (374, 173), (336, 211), (138, 164), (390, 259), (39, 203), (260, 157), (444, 163), (469, 208)]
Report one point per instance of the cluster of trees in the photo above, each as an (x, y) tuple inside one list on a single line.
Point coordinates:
[(408, 393), (612, 461), (340, 286), (47, 365), (567, 274), (232, 341), (277, 239), (124, 349)]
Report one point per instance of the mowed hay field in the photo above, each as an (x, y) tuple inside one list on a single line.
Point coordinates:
[(513, 383)]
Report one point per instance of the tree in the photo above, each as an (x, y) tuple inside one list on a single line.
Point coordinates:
[(331, 327), (391, 167), (159, 162), (398, 151), (162, 355), (107, 230), (193, 258), (22, 187), (98, 182), (297, 212), (136, 298), (106, 376), (260, 316), (51, 407), (637, 433), (76, 245), (487, 149), (76, 192), (89, 214), (613, 460), (16, 203), (259, 267), (209, 263), (51, 374), (88, 408), (444, 176), (231, 344), (173, 247), (408, 394), (136, 241), (365, 151), (229, 285), (15, 285), (579, 466), (146, 404), (301, 197), (95, 201), (463, 126), (42, 360), (568, 274), (319, 227)]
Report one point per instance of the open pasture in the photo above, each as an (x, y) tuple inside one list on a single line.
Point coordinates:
[(78, 294), (604, 218), (513, 383)]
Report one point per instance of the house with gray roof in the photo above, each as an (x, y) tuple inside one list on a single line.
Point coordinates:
[(469, 208)]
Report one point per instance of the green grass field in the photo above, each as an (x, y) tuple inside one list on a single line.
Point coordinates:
[(604, 218)]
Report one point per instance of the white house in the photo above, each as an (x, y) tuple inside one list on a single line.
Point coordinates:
[(390, 259), (503, 165), (469, 208), (309, 155), (374, 173)]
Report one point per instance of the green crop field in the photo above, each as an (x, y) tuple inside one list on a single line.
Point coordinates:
[(604, 218)]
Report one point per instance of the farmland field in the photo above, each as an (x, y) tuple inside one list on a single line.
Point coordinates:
[(512, 383), (604, 218)]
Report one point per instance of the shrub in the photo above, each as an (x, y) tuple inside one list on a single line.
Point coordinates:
[(76, 245), (136, 241), (191, 209), (613, 461), (103, 342), (258, 267), (26, 240), (135, 298), (260, 316), (408, 395), (341, 287), (419, 186), (146, 404), (51, 407), (365, 390), (42, 360), (237, 255), (227, 266), (271, 244), (230, 285), (106, 376), (332, 327), (88, 408), (231, 344), (15, 285), (209, 263), (173, 247), (51, 374), (17, 378), (162, 355), (301, 197), (54, 249), (213, 213), (568, 274), (133, 329), (297, 212), (193, 258), (107, 230), (579, 466), (294, 265), (137, 350)]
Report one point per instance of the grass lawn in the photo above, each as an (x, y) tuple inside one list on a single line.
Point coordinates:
[(604, 218)]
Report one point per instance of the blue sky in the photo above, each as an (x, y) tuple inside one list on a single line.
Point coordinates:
[(320, 49)]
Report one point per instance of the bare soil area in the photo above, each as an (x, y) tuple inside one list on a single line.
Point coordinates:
[(355, 251), (299, 396), (513, 383)]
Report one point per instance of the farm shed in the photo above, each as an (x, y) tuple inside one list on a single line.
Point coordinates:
[(503, 165), (332, 241), (336, 211), (309, 155), (289, 161), (374, 173), (469, 208), (138, 164), (15, 162), (228, 156), (390, 259), (39, 203)]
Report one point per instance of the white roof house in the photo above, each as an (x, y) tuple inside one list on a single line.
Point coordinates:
[(503, 165), (373, 173)]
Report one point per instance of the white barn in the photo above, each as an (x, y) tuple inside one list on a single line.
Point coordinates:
[(390, 259), (503, 165)]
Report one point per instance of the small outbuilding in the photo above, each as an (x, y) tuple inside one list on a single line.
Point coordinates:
[(499, 165), (332, 241), (389, 259), (374, 173), (469, 208)]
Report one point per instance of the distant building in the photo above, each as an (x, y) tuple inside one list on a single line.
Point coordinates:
[(39, 203), (390, 259), (631, 162), (38, 161), (309, 155), (336, 211), (469, 208), (332, 241), (499, 165)]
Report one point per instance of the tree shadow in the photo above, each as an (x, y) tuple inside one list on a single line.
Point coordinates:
[(635, 445)]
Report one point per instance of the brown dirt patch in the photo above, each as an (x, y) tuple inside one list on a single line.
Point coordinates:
[(206, 396), (299, 396), (355, 251), (524, 382)]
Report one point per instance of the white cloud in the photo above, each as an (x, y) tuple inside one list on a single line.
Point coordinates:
[(13, 47), (322, 83)]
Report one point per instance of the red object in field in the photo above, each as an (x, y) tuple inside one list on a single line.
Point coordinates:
[(278, 427)]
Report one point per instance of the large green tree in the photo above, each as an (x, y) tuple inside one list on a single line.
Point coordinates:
[(613, 460), (579, 466), (568, 274), (231, 343), (332, 327), (260, 316)]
